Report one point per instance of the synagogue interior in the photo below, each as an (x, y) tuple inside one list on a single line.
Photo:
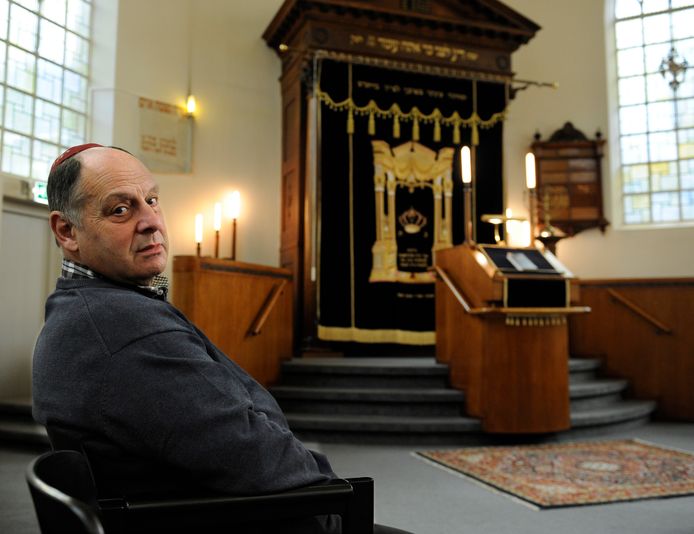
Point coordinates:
[(430, 228)]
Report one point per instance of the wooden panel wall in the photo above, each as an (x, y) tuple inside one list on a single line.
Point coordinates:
[(659, 366), (223, 298)]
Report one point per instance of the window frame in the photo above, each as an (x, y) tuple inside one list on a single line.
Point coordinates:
[(63, 106), (617, 183)]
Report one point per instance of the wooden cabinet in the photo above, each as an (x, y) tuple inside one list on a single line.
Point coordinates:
[(245, 309), (569, 183)]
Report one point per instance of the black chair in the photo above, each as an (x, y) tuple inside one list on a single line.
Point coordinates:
[(64, 494)]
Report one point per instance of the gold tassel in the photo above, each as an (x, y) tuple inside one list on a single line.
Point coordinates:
[(396, 126), (456, 134), (372, 123), (415, 129), (350, 122), (475, 134), (437, 130)]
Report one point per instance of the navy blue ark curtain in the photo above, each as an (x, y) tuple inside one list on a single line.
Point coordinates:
[(355, 305)]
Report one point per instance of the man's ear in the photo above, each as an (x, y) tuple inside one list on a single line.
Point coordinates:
[(64, 231)]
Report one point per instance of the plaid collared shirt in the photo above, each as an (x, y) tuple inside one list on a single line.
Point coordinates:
[(71, 269)]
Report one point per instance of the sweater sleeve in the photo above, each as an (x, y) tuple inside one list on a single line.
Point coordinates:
[(165, 397)]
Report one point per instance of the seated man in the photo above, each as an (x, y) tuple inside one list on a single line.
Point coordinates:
[(123, 373)]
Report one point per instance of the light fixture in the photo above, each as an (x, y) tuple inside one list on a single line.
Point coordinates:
[(677, 69), (191, 105)]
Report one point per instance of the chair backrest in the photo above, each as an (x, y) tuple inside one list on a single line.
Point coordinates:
[(64, 494)]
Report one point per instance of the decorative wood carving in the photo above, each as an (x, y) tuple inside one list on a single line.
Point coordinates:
[(463, 38), (569, 183)]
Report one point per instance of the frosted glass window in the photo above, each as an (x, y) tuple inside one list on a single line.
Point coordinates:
[(637, 209), (52, 42), (21, 69), (687, 199), (78, 17), (661, 116), (76, 53), (629, 33), (18, 111), (685, 113), (656, 119), (634, 149), (44, 80), (682, 24), (656, 29), (47, 121), (654, 55), (632, 91), (16, 154), (43, 157), (630, 62), (687, 173), (664, 176), (54, 10), (75, 91), (72, 131), (665, 207), (23, 28), (653, 6), (633, 120), (4, 14), (686, 144), (635, 178), (49, 81)]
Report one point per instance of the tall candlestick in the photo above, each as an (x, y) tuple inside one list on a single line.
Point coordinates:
[(234, 210), (198, 232), (466, 174), (217, 227), (530, 179), (465, 165), (531, 183)]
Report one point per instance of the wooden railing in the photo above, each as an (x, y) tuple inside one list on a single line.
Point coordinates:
[(641, 330), (265, 311), (638, 310)]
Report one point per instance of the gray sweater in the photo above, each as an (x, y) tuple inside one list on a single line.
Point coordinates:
[(125, 374)]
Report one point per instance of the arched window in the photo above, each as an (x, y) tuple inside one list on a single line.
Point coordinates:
[(654, 41), (44, 70)]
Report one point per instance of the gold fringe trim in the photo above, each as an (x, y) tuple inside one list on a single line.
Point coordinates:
[(365, 335), (394, 112)]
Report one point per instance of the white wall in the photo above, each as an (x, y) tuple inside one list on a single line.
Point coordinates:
[(215, 46), (570, 49)]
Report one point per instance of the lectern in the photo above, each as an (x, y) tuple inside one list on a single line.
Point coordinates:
[(501, 327)]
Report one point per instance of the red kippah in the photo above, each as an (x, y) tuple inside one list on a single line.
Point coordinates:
[(71, 152)]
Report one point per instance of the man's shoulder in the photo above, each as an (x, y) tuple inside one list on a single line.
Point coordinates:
[(118, 312)]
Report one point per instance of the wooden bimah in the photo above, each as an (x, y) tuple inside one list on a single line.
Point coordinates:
[(245, 309), (501, 327)]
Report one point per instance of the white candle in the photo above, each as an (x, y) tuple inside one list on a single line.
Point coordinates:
[(234, 205), (530, 180), (198, 228), (465, 166), (218, 216)]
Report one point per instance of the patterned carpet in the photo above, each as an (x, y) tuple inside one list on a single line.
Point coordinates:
[(573, 474)]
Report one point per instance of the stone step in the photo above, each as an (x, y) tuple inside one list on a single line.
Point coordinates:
[(365, 372), (15, 406), (371, 401), (23, 432), (596, 393), (624, 411), (582, 369)]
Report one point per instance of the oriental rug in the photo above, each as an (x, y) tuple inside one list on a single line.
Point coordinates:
[(574, 474)]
